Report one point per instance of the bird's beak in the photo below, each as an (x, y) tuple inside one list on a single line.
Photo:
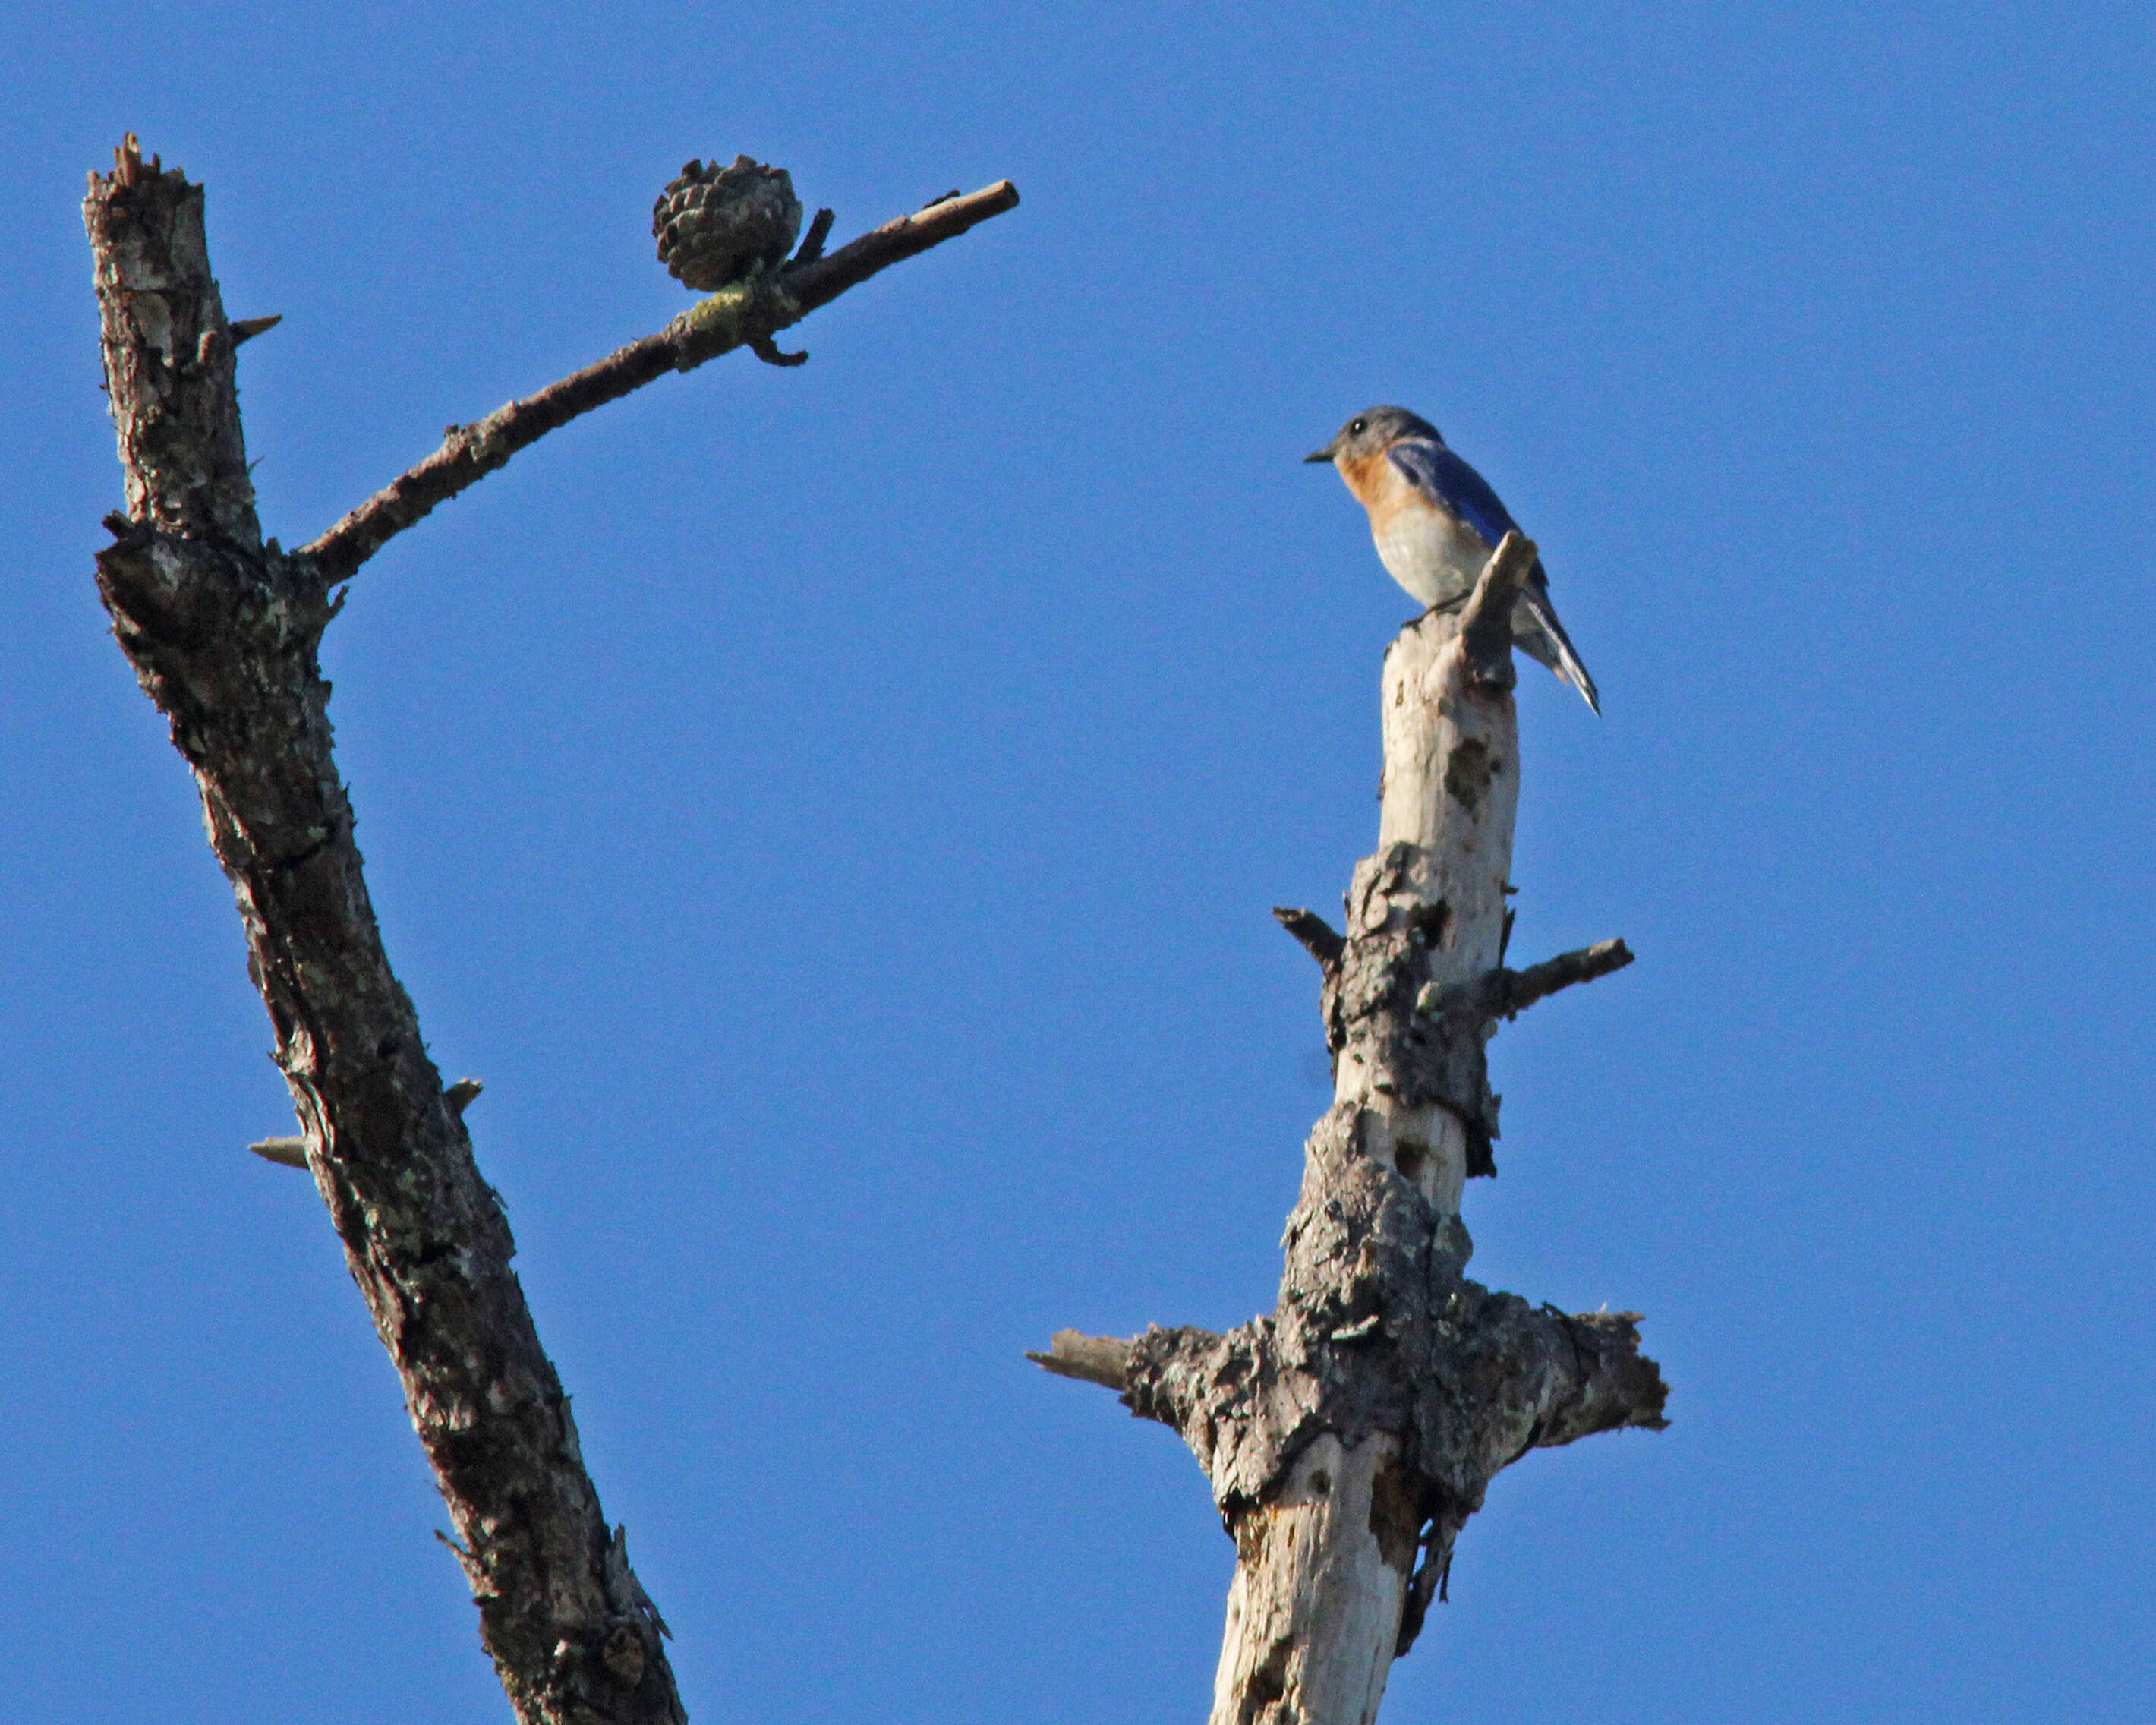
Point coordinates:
[(1323, 455)]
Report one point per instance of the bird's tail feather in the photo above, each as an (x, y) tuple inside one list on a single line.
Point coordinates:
[(1535, 599)]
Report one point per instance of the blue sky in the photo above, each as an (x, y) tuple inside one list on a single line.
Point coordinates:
[(836, 810)]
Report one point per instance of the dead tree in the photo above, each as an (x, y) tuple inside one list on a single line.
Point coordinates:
[(1350, 1434), (222, 628)]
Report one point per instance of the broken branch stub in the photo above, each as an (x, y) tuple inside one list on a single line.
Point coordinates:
[(1105, 1360), (1350, 1433), (1312, 933), (292, 1152)]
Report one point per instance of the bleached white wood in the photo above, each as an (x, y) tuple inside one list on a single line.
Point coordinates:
[(1450, 792), (1315, 1605), (1314, 1610), (1349, 1434)]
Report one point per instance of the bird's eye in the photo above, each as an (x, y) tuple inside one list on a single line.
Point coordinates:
[(1358, 428)]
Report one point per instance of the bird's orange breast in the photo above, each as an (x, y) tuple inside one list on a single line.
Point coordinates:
[(1367, 477)]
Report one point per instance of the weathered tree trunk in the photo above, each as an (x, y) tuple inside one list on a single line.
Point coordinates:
[(223, 632), (1349, 1435), (221, 629)]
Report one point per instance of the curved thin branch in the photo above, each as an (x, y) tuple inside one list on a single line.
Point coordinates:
[(746, 315)]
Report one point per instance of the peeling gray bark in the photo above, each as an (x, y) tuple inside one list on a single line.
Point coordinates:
[(1350, 1433), (222, 629)]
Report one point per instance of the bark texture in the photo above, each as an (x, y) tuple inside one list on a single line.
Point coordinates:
[(1350, 1433), (223, 630)]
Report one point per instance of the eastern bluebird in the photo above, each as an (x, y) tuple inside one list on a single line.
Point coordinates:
[(1436, 520)]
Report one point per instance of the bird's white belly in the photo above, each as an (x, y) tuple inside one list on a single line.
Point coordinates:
[(1434, 559)]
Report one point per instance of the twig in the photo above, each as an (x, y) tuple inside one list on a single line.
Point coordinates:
[(812, 243), (1502, 993), (222, 628), (1105, 1360), (462, 1555), (1317, 937), (246, 329), (737, 317), (767, 350), (823, 279)]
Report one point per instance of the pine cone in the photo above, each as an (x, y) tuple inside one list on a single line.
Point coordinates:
[(716, 224)]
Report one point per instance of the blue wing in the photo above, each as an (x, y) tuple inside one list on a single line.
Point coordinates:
[(1453, 485)]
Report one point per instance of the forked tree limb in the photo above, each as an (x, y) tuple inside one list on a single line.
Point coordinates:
[(223, 631), (746, 315)]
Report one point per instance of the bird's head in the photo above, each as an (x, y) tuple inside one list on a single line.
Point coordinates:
[(1369, 433)]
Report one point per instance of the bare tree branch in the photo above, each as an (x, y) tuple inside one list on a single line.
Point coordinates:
[(1316, 937), (1502, 993), (1522, 988), (223, 631), (746, 315)]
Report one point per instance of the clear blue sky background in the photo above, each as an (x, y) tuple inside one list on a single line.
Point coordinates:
[(836, 810)]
